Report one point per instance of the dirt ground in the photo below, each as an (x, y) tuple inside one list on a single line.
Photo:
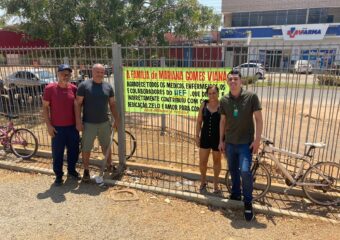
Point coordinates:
[(31, 208)]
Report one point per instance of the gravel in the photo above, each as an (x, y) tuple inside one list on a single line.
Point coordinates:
[(32, 208)]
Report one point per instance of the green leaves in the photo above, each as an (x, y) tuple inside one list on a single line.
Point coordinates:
[(91, 22)]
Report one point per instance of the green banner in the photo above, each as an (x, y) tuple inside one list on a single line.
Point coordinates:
[(177, 91)]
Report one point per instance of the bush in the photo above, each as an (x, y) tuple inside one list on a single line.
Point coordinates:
[(329, 80)]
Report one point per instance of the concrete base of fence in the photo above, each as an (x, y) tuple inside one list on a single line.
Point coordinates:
[(199, 198), (13, 166), (277, 188), (216, 201)]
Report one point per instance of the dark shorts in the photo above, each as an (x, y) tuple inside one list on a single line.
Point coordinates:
[(93, 130), (209, 143)]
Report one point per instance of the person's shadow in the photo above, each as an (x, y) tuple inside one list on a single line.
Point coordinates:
[(57, 193), (91, 189), (238, 221)]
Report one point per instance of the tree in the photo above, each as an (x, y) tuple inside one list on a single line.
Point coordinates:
[(92, 22)]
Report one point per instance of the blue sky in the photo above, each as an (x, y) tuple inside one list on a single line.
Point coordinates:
[(216, 4)]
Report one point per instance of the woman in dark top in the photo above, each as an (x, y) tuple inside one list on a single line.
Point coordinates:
[(207, 137)]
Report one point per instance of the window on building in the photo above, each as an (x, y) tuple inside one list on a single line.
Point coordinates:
[(296, 16), (240, 19), (301, 15), (268, 18), (323, 15), (281, 17), (235, 20), (330, 18), (318, 15), (254, 19), (244, 19)]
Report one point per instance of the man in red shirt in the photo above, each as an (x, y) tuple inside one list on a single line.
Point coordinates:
[(59, 116)]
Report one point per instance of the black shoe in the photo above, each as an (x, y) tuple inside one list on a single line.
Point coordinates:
[(203, 189), (235, 198), (86, 176), (58, 181), (248, 212), (74, 174)]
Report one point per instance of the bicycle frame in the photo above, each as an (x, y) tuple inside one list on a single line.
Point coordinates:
[(268, 149), (5, 132)]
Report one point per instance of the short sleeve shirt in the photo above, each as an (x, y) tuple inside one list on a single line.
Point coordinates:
[(96, 100), (61, 102), (239, 116)]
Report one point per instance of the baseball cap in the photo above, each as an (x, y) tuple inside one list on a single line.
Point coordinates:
[(63, 67)]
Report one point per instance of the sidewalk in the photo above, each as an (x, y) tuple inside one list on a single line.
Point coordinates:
[(273, 203)]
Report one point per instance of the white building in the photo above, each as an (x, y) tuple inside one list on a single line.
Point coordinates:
[(280, 32)]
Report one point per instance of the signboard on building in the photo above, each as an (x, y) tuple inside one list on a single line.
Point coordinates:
[(304, 32)]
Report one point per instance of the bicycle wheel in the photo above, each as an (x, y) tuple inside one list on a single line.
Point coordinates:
[(261, 181), (130, 145), (322, 183), (23, 143)]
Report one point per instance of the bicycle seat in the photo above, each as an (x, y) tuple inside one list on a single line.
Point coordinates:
[(267, 141), (316, 145)]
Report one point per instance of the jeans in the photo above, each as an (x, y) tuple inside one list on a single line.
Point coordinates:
[(65, 137), (239, 159)]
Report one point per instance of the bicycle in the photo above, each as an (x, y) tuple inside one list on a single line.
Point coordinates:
[(320, 182), (130, 145), (21, 142)]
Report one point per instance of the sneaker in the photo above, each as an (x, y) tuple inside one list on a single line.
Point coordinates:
[(235, 198), (86, 176), (74, 174), (203, 189), (248, 212), (58, 181)]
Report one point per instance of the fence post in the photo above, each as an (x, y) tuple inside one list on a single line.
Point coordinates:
[(163, 127), (119, 96)]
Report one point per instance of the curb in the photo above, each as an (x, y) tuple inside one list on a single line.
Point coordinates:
[(274, 187), (194, 197)]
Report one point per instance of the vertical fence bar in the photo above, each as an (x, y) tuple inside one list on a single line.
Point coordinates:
[(163, 118), (119, 93)]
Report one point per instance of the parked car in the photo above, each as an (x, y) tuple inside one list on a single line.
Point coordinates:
[(335, 68), (303, 66), (251, 70), (29, 78), (29, 82), (76, 82), (261, 64)]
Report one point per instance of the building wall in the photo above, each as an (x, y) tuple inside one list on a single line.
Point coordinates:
[(13, 39), (336, 13), (265, 5), (227, 19)]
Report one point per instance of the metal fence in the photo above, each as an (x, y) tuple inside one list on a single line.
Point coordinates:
[(297, 108)]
